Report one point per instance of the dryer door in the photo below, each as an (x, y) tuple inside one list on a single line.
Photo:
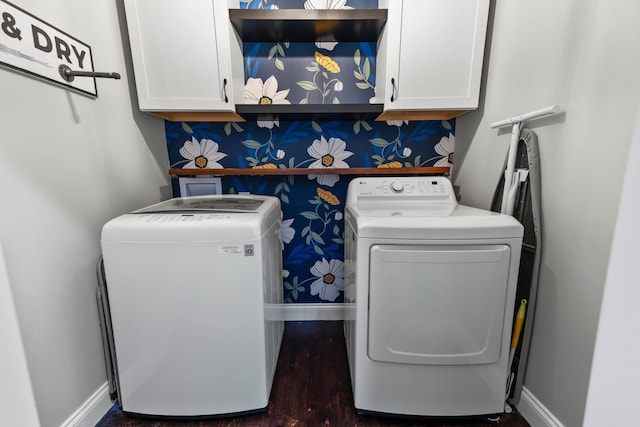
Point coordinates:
[(437, 304)]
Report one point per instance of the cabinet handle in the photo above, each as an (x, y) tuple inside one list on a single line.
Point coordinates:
[(393, 90), (224, 90)]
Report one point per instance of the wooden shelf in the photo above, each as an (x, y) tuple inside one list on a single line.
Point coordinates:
[(307, 171), (306, 112), (303, 25)]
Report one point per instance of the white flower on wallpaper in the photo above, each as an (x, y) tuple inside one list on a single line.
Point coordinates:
[(286, 233), (258, 92), (326, 4), (201, 154), (329, 155), (269, 124), (397, 123), (330, 279), (445, 149)]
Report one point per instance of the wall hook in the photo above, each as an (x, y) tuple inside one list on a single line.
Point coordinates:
[(68, 74)]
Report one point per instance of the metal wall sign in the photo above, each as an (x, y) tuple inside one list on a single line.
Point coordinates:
[(30, 45)]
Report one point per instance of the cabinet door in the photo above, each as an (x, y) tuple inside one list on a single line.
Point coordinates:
[(181, 54), (431, 54)]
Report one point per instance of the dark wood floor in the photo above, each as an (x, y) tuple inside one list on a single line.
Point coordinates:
[(311, 388)]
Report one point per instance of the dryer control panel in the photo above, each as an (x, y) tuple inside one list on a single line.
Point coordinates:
[(435, 189)]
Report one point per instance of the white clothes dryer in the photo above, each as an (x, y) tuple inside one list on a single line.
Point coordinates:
[(188, 280), (430, 290)]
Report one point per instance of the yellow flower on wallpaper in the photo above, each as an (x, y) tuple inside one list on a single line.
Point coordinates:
[(328, 197), (390, 165), (327, 63), (265, 166)]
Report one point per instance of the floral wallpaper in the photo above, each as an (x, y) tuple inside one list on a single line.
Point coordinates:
[(312, 205)]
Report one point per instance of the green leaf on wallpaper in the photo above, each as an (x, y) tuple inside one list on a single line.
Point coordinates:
[(305, 231), (325, 75), (284, 198), (337, 241), (316, 126), (227, 129), (362, 85), (366, 70), (288, 286), (416, 161), (251, 143), (279, 64), (336, 100), (272, 51), (377, 159), (291, 178), (306, 85), (285, 186), (315, 201), (446, 124), (356, 57), (366, 125), (318, 250), (280, 50), (291, 165), (313, 68), (287, 44), (304, 101), (237, 127), (278, 188), (356, 127), (309, 215), (316, 237), (357, 75), (186, 128), (336, 230), (379, 142)]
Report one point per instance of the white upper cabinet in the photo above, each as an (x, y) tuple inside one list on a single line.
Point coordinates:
[(430, 56), (185, 56)]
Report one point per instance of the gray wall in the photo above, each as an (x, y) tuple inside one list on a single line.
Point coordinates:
[(68, 163), (583, 56)]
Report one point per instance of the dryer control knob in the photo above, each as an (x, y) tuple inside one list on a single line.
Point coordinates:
[(397, 187)]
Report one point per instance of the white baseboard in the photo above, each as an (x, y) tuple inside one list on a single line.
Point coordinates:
[(302, 312), (92, 410), (535, 412)]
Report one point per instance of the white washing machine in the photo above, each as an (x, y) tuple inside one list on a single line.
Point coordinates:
[(430, 289), (187, 281)]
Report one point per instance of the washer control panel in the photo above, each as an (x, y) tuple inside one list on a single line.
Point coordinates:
[(436, 189)]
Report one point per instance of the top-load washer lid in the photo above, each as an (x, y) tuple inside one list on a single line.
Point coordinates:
[(197, 218), (231, 204)]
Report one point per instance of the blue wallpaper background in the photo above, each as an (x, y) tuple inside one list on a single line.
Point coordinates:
[(312, 205)]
